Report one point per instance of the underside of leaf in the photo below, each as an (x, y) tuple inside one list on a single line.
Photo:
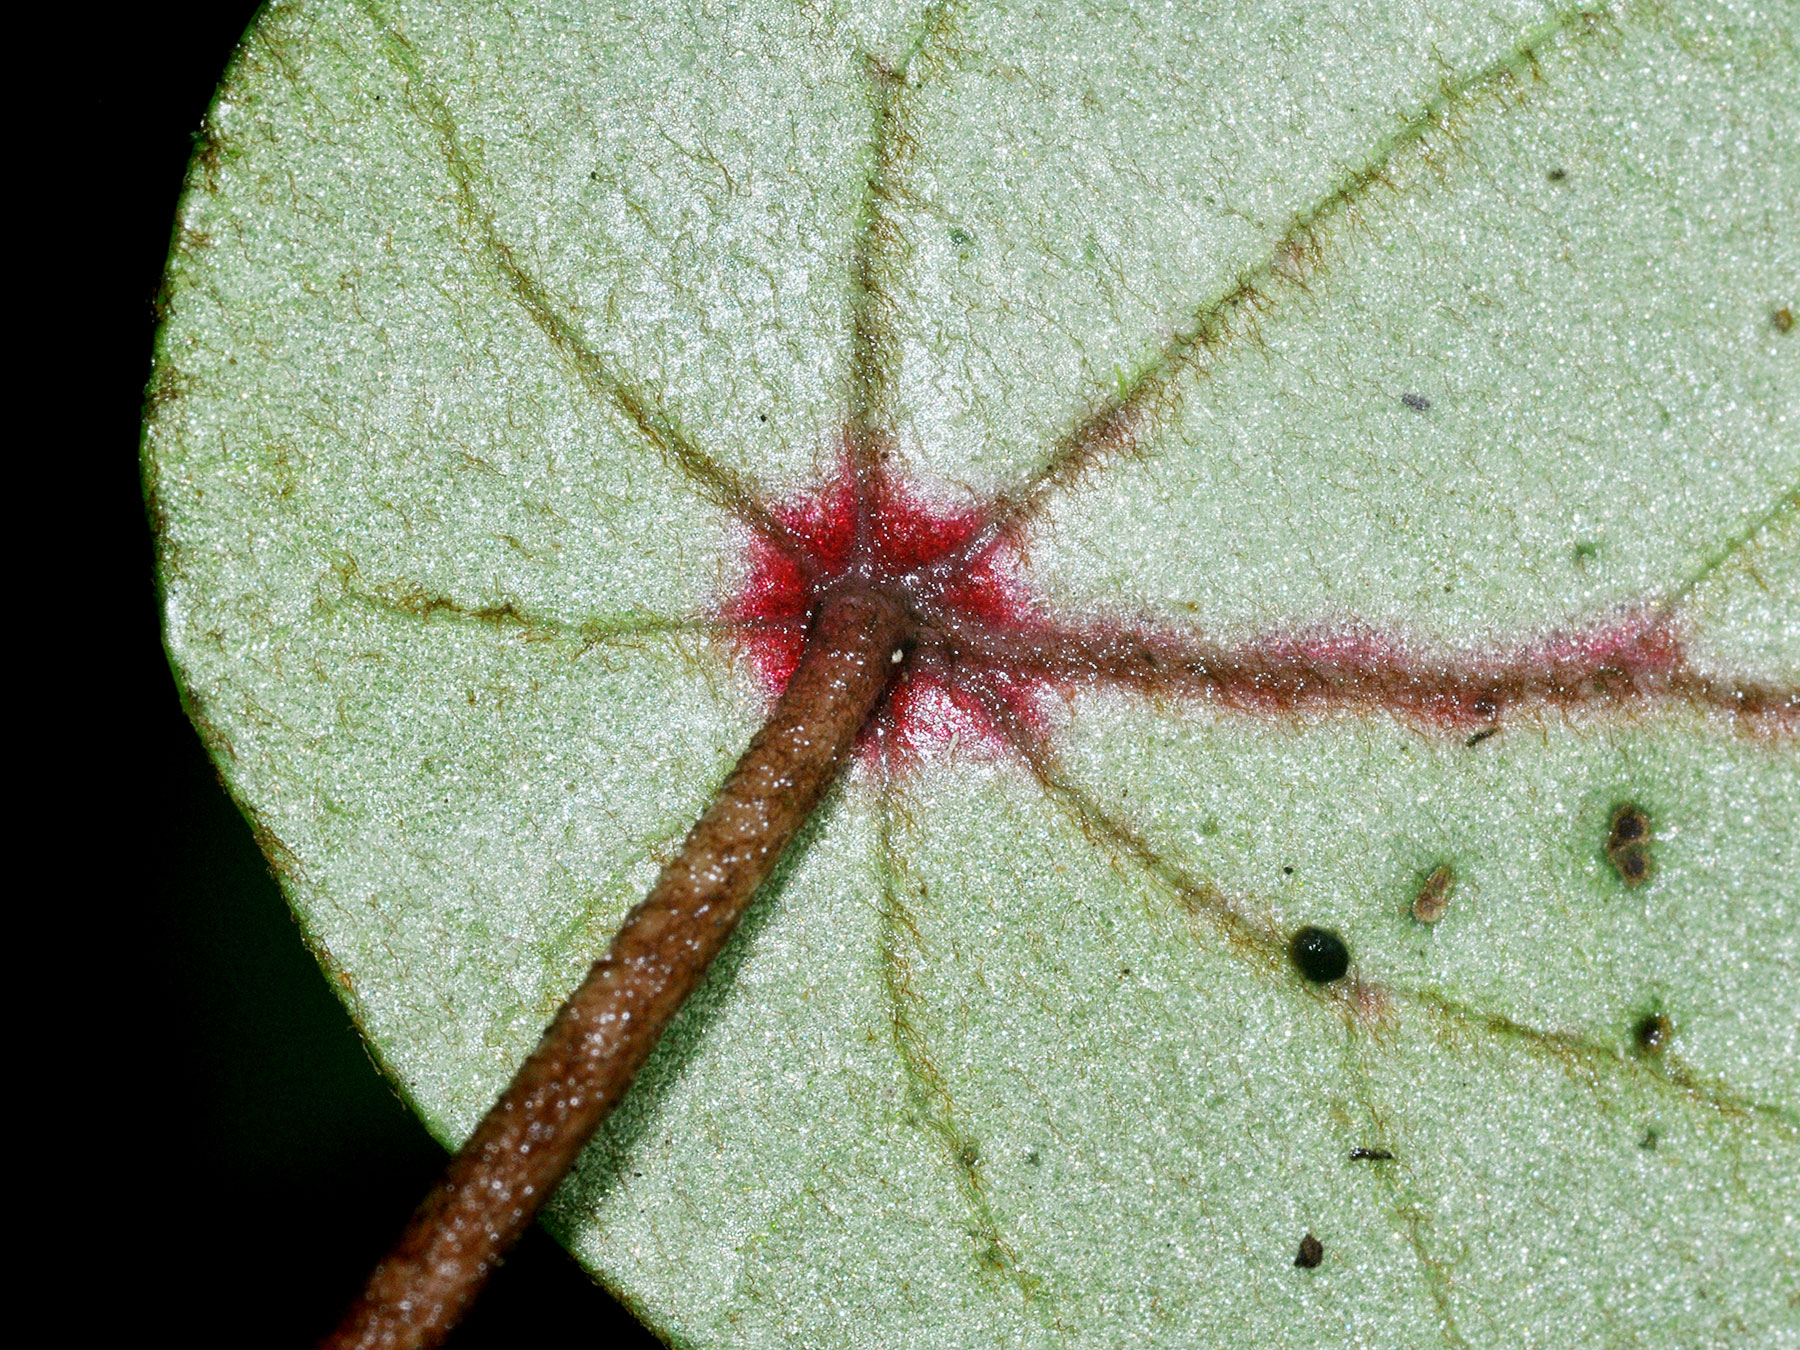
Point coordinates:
[(1344, 467)]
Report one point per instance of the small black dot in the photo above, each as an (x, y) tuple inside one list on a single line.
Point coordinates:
[(1417, 402), (1287, 871), (1653, 1033), (1319, 954), (1557, 175), (1312, 1251)]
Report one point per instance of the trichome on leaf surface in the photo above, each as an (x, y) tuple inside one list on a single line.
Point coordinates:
[(1262, 545)]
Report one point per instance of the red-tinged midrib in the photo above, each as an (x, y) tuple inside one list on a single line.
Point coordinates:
[(989, 646)]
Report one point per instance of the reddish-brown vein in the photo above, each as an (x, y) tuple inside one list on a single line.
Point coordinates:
[(1637, 662)]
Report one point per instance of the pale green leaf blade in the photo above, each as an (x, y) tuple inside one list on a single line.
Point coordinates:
[(492, 337)]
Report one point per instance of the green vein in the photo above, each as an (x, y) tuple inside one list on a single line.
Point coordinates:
[(1264, 950), (1409, 1216), (1259, 946), (714, 482), (881, 250), (1587, 1060), (933, 1110), (1122, 424), (1785, 510), (416, 602), (585, 933)]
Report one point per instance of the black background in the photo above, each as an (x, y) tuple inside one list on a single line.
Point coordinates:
[(254, 1163)]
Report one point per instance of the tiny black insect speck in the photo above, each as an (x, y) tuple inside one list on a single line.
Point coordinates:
[(1319, 954)]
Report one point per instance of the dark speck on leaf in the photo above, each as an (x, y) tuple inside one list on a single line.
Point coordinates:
[(1481, 736), (1653, 1033), (1783, 319), (1417, 402), (1319, 954), (1628, 844), (1649, 1139), (961, 237), (1287, 871), (1557, 175), (1370, 1155), (1633, 865), (1312, 1251)]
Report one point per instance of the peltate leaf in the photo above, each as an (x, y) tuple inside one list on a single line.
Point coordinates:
[(1430, 361)]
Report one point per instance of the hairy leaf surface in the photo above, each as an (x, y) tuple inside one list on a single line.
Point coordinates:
[(1426, 345)]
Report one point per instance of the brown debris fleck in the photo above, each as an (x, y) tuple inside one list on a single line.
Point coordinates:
[(1312, 1251), (1628, 844), (1433, 899)]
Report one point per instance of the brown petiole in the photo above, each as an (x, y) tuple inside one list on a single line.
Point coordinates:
[(494, 1187)]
